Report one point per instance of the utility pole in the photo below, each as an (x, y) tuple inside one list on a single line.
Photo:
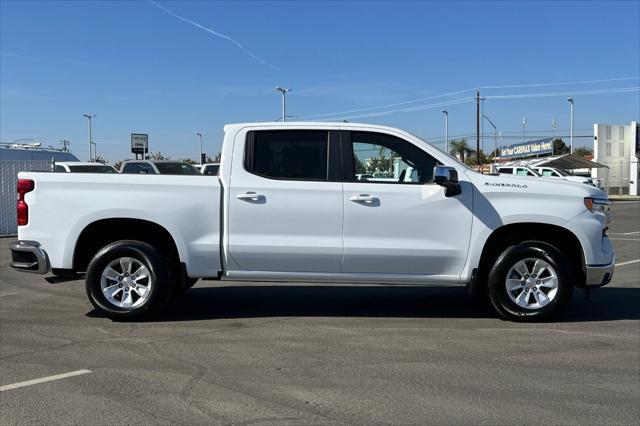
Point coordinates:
[(571, 131), (284, 101), (201, 160), (478, 130), (64, 144), (446, 131), (89, 117)]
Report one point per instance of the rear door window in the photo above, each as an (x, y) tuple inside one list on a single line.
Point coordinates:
[(288, 154), (505, 170)]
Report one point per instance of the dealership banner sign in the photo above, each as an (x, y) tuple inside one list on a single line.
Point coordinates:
[(528, 149)]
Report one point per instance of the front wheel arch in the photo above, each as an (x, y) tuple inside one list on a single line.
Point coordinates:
[(511, 234)]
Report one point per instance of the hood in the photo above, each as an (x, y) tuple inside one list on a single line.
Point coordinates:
[(523, 185)]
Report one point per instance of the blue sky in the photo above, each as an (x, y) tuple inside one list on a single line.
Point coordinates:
[(142, 70)]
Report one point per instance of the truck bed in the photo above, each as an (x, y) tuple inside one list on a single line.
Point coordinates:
[(62, 205)]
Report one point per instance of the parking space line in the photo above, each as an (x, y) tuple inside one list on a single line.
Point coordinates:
[(43, 380), (629, 262)]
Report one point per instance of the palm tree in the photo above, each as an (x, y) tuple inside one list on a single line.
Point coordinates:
[(459, 148)]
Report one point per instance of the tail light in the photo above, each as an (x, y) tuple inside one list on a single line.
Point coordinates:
[(22, 209)]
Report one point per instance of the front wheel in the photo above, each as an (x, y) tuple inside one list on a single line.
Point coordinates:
[(128, 279), (530, 281)]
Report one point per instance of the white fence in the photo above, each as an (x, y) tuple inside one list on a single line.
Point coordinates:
[(9, 174)]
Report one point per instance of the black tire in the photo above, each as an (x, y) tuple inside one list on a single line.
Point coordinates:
[(497, 282), (147, 255)]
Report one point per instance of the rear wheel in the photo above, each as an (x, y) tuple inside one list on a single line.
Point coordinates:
[(530, 281), (128, 279)]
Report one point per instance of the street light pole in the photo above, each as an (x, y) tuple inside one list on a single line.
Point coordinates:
[(524, 126), (200, 134), (495, 136), (446, 130), (571, 125), (89, 117), (284, 101)]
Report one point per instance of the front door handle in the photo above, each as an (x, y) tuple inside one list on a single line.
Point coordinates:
[(252, 196), (363, 198)]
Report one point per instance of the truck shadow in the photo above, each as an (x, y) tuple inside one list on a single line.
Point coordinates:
[(238, 301)]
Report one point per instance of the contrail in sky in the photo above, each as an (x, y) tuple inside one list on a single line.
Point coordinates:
[(215, 33)]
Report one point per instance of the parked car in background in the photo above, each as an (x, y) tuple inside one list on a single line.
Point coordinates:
[(516, 170), (81, 167), (562, 174), (210, 169), (158, 167)]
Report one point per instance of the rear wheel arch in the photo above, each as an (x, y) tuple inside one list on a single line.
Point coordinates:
[(100, 233)]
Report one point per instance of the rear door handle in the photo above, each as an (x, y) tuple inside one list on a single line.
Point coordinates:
[(363, 198), (253, 196)]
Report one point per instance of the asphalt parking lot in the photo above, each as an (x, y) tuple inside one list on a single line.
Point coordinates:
[(245, 353)]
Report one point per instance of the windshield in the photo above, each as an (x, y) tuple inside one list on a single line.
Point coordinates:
[(563, 173), (91, 169), (176, 169), (451, 157)]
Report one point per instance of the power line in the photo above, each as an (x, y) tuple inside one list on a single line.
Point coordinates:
[(468, 90), (389, 105), (549, 94), (414, 108), (561, 83), (513, 96)]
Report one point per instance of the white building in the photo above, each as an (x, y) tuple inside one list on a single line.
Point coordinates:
[(617, 146)]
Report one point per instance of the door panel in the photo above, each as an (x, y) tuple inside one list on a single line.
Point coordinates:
[(408, 229), (396, 221), (279, 221)]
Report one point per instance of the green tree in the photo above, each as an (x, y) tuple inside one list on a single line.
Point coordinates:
[(559, 147), (460, 148), (582, 151), (157, 156)]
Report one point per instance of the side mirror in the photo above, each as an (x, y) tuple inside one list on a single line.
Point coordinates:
[(447, 177)]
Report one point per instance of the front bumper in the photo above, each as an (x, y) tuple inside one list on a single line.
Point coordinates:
[(27, 256), (599, 275)]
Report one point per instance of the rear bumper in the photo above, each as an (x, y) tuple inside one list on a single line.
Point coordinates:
[(599, 275), (27, 256)]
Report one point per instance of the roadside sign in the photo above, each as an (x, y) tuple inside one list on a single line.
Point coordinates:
[(139, 143), (528, 149)]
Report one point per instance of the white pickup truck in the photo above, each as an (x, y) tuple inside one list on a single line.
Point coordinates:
[(296, 202)]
